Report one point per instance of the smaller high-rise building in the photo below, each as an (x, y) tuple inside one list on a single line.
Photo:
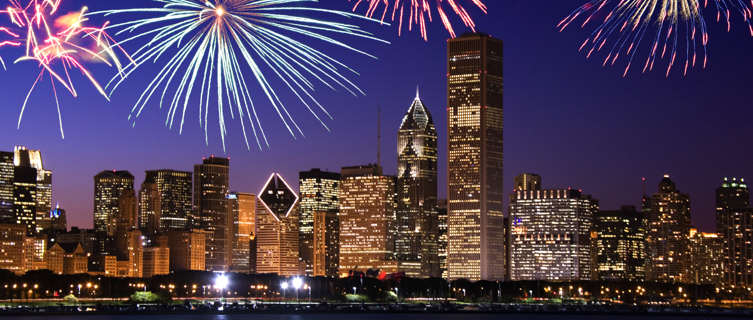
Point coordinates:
[(108, 187), (25, 197), (620, 245), (367, 220), (326, 256), (35, 249), (156, 260), (7, 166), (668, 217), (319, 193), (12, 238), (33, 158), (442, 236), (58, 220), (734, 223), (243, 211), (187, 250), (551, 235), (706, 265), (171, 206), (277, 229)]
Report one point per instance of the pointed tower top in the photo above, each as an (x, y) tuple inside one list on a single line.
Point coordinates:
[(418, 93)]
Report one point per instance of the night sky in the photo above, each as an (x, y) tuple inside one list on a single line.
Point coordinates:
[(577, 124)]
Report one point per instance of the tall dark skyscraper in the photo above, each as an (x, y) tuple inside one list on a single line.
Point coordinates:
[(668, 232), (474, 158), (277, 226), (620, 244), (33, 158), (109, 186), (25, 196), (6, 188), (242, 207), (734, 223), (417, 221), (211, 187), (174, 191), (318, 191)]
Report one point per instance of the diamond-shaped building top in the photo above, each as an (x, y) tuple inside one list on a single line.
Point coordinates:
[(277, 196)]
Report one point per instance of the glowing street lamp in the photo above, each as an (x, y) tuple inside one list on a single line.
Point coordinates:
[(297, 284), (284, 286), (221, 282)]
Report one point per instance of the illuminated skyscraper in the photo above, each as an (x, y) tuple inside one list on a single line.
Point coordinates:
[(734, 223), (33, 158), (326, 255), (277, 229), (173, 189), (551, 235), (25, 193), (474, 158), (620, 244), (706, 265), (668, 216), (150, 208), (6, 187), (211, 187), (318, 192), (442, 238), (417, 222), (243, 210), (367, 220), (108, 188)]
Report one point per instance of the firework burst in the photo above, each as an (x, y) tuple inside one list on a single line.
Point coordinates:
[(214, 45), (671, 30), (58, 44), (419, 13)]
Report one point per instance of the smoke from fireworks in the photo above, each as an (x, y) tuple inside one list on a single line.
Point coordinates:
[(58, 44), (216, 47), (671, 30), (419, 13)]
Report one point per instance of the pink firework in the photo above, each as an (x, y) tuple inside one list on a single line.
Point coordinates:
[(58, 43), (419, 13)]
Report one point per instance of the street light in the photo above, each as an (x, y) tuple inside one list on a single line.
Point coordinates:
[(284, 286), (297, 284), (221, 282)]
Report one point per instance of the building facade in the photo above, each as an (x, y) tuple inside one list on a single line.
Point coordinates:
[(243, 211), (551, 235), (33, 158), (108, 187), (734, 223), (706, 265), (277, 229), (326, 243), (668, 217), (319, 193), (475, 158), (367, 220), (211, 187), (7, 215), (25, 197), (187, 250), (173, 198), (12, 254), (442, 237), (417, 221), (620, 245)]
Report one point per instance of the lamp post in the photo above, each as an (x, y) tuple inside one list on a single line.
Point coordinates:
[(297, 284), (221, 282), (284, 286)]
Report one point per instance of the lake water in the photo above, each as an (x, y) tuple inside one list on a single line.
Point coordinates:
[(356, 316)]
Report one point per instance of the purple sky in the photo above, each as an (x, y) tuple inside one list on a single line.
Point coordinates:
[(572, 121)]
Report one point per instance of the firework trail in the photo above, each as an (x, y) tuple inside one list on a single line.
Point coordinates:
[(418, 13), (214, 45), (58, 44), (671, 30)]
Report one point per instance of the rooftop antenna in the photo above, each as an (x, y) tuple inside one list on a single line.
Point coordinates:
[(379, 136)]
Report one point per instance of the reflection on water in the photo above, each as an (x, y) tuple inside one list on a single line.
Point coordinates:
[(369, 316)]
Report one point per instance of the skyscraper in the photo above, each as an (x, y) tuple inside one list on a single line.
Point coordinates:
[(6, 188), (150, 208), (734, 223), (277, 229), (174, 203), (620, 244), (706, 258), (367, 220), (33, 158), (318, 191), (442, 236), (243, 211), (25, 191), (109, 186), (551, 234), (211, 187), (474, 158), (326, 243), (668, 216), (417, 222)]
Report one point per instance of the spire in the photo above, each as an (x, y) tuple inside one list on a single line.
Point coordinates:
[(418, 92)]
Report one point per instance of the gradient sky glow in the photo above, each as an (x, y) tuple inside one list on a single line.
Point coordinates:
[(574, 122)]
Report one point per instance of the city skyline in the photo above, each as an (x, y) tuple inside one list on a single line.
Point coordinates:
[(593, 108)]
